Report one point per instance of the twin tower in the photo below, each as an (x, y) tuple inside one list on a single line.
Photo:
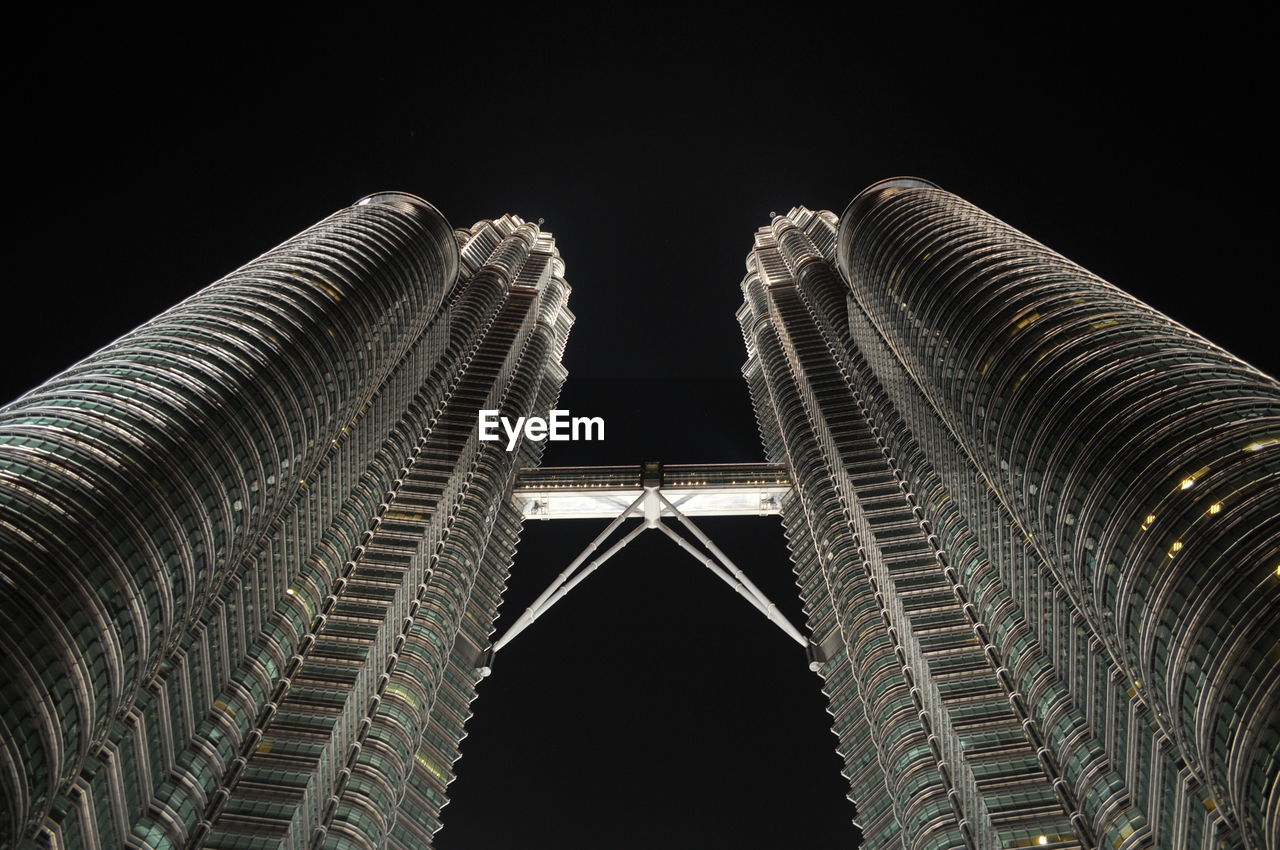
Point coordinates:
[(252, 552)]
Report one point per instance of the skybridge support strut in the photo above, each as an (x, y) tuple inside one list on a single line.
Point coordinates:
[(544, 600), (752, 592), (764, 607), (650, 506)]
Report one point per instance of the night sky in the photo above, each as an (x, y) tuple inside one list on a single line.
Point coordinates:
[(653, 707)]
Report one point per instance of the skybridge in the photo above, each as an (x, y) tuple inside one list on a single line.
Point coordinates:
[(602, 492), (652, 492)]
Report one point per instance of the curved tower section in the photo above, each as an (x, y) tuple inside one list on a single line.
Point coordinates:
[(134, 483), (1119, 477)]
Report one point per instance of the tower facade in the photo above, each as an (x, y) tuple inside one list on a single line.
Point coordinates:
[(1035, 528), (251, 550)]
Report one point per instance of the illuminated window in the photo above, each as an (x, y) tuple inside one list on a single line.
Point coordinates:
[(1190, 481)]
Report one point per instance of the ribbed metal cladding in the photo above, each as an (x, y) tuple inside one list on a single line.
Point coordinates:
[(1141, 462), (938, 748), (134, 483), (398, 786)]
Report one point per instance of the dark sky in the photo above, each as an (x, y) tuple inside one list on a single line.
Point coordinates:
[(652, 708)]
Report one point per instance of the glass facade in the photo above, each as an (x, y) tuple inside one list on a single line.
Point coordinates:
[(1034, 526), (252, 549)]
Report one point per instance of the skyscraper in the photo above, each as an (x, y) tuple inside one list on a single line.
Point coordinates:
[(1035, 529), (252, 552), (249, 551)]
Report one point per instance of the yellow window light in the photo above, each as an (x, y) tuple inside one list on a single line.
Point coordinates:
[(1215, 508), (1259, 445), (1190, 481), (1175, 548)]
